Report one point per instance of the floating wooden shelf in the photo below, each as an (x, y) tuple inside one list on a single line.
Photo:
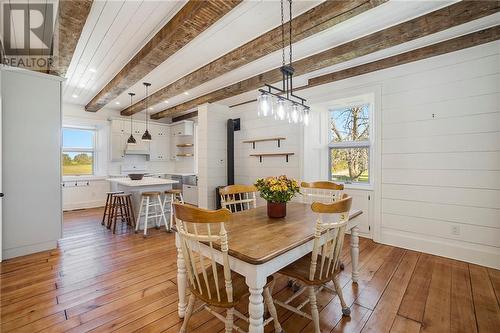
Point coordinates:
[(279, 139), (185, 155), (272, 154), (185, 145)]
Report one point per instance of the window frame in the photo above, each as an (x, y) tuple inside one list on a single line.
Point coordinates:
[(91, 150), (353, 144)]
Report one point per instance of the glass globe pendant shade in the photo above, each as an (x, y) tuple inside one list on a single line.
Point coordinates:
[(295, 113), (264, 105), (306, 117), (281, 109), (146, 136)]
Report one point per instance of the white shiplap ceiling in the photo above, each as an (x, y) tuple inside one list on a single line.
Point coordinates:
[(116, 30)]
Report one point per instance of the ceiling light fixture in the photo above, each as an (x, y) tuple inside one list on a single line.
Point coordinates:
[(74, 96), (287, 105), (93, 70), (146, 136), (131, 140), (117, 103)]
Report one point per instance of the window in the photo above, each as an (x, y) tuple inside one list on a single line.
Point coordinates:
[(78, 151), (349, 147)]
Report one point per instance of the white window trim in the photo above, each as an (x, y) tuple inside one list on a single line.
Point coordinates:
[(92, 150), (357, 144)]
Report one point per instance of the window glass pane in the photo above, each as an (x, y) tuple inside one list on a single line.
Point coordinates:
[(349, 165), (78, 138), (77, 163), (350, 123)]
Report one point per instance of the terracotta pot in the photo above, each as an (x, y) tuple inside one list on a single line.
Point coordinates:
[(276, 209)]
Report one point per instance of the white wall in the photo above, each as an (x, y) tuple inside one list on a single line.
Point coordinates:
[(439, 182), (249, 168), (212, 152)]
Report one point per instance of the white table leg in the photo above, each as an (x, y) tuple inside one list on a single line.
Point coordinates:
[(181, 279), (256, 304), (355, 253)]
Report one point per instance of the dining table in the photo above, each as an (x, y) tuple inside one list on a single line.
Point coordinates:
[(260, 246)]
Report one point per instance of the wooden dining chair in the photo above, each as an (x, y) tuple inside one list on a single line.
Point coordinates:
[(238, 197), (321, 191), (212, 283), (321, 266)]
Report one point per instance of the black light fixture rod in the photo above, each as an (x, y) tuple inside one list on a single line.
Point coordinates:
[(301, 102)]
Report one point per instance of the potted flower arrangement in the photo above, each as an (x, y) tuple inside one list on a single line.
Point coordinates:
[(277, 191)]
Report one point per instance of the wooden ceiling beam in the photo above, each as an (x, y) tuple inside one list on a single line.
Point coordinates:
[(451, 45), (194, 18), (315, 20), (439, 20), (71, 18)]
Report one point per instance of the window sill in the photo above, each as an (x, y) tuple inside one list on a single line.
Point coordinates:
[(364, 187)]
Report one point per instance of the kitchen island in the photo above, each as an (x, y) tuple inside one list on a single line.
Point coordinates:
[(136, 187)]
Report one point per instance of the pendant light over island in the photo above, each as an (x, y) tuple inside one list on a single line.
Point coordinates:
[(131, 140), (146, 136)]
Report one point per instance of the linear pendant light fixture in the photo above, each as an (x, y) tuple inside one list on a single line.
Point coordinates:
[(146, 136), (281, 102), (131, 140)]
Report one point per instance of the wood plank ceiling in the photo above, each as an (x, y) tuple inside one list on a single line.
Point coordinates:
[(238, 51), (189, 22), (315, 20)]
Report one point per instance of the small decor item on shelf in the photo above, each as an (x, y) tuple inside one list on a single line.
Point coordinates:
[(277, 191)]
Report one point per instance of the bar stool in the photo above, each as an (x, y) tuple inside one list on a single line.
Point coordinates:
[(151, 200), (108, 206), (171, 196), (122, 208)]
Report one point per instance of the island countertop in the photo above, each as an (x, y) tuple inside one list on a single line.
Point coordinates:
[(146, 181)]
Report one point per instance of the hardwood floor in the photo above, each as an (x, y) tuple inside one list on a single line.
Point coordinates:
[(100, 282)]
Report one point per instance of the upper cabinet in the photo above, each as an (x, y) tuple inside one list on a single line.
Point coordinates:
[(183, 128), (118, 126)]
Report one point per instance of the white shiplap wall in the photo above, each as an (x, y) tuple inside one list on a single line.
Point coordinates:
[(248, 168), (212, 152), (441, 156), (439, 182)]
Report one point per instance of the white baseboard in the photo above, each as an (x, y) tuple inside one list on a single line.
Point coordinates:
[(25, 250), (83, 205), (472, 253)]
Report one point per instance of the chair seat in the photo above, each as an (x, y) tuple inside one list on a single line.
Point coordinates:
[(123, 195), (299, 270), (240, 288), (173, 191), (150, 194), (114, 192)]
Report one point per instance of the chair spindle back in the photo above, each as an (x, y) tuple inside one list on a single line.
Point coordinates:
[(322, 191), (200, 227), (238, 197), (331, 225)]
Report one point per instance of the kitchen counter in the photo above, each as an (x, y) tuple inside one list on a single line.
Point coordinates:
[(137, 187), (183, 174), (146, 181)]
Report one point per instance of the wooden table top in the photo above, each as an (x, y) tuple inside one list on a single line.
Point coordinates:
[(255, 238)]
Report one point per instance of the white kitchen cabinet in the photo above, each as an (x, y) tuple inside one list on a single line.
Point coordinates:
[(118, 145), (160, 145), (138, 129), (183, 128), (118, 126), (190, 194)]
